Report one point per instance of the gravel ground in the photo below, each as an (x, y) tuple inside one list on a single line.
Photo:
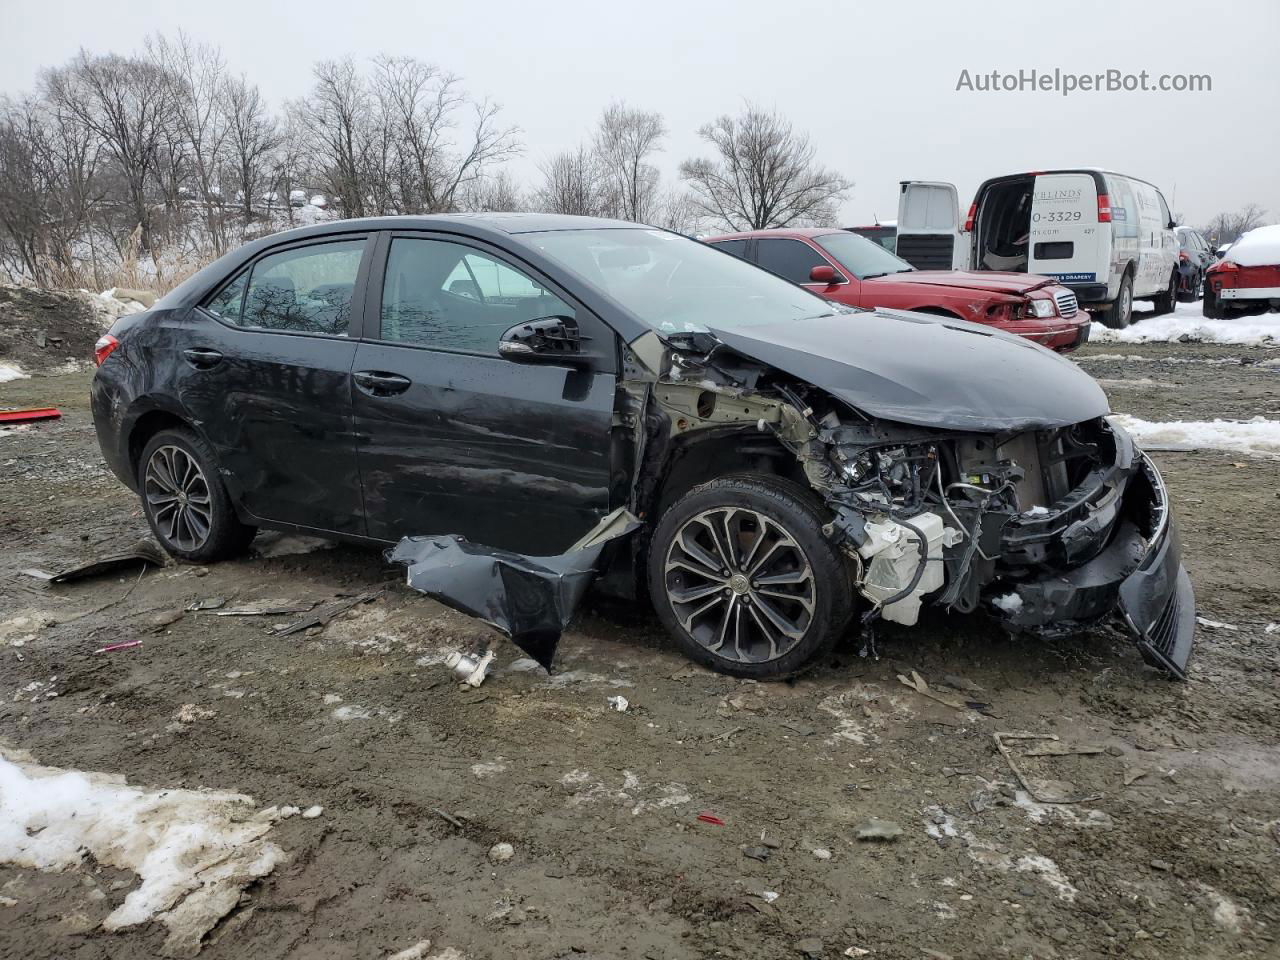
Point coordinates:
[(1178, 855)]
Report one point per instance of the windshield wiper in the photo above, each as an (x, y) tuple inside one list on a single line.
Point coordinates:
[(872, 276)]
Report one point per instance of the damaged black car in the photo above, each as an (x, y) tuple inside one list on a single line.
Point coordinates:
[(527, 405)]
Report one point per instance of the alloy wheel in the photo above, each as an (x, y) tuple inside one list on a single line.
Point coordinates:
[(739, 584), (1126, 304), (177, 494)]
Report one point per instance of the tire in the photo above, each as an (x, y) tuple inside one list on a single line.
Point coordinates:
[(185, 502), (753, 631), (1193, 291), (1120, 311), (1166, 301), (1212, 307)]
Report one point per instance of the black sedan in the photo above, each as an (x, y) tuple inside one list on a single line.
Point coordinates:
[(500, 388)]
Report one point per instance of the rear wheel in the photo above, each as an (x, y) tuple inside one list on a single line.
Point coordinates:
[(1166, 301), (742, 576), (1120, 311), (1212, 306), (185, 502)]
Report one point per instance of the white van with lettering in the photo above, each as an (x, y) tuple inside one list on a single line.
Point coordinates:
[(1108, 237)]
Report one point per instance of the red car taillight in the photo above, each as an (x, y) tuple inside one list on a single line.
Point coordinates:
[(1104, 208), (102, 349), (1182, 255), (972, 215)]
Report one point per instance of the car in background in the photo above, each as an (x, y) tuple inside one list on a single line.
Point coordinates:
[(885, 234), (1195, 256), (858, 272), (1247, 279)]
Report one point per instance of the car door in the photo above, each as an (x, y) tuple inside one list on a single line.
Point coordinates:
[(267, 375), (793, 259), (929, 226), (452, 437)]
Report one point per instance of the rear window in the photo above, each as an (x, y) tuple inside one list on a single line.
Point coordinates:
[(1060, 250)]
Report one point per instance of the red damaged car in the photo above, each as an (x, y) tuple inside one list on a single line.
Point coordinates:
[(1246, 280), (852, 270)]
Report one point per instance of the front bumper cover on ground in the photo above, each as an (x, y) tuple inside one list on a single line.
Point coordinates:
[(1139, 577)]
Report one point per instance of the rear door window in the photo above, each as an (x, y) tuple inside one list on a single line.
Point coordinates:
[(736, 247), (790, 259), (301, 290)]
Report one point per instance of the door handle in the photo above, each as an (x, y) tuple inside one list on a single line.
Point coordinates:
[(202, 358), (379, 384)]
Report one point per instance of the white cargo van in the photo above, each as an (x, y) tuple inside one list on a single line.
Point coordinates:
[(1107, 236)]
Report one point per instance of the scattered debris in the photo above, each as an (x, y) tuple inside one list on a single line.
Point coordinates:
[(312, 812), (468, 668), (760, 853), (822, 853), (875, 829), (210, 603), (448, 818), (1041, 791), (768, 896), (619, 703), (30, 414), (856, 952), (1215, 624), (326, 613), (111, 648), (417, 952), (1056, 748), (144, 552), (918, 684), (710, 818), (190, 713), (726, 735), (261, 608), (501, 852)]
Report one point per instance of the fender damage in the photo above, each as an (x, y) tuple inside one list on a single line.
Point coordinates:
[(961, 468)]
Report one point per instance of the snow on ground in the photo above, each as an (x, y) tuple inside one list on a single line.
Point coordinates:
[(1258, 437), (1188, 320), (11, 371), (195, 851)]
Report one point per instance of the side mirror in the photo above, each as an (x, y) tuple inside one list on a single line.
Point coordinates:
[(1172, 224), (544, 340), (825, 274)]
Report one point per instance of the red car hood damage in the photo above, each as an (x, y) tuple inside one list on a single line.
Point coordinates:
[(1013, 283)]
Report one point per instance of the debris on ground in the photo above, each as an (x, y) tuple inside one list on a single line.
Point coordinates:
[(618, 703), (322, 616), (760, 853), (469, 669), (501, 852), (710, 818), (29, 414), (144, 553), (875, 829), (113, 647), (259, 608), (918, 684)]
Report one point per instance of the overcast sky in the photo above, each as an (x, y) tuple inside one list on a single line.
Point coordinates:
[(874, 84)]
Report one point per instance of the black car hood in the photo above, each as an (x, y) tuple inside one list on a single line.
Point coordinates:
[(927, 371)]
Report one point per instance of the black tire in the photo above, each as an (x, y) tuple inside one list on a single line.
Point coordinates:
[(1120, 311), (766, 513), (1212, 307), (1166, 301), (1195, 289), (185, 501)]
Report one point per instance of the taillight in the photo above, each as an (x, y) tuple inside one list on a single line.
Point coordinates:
[(1104, 208), (972, 215), (102, 349), (1182, 255)]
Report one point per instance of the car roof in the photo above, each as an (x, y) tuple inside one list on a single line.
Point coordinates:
[(475, 223), (788, 232)]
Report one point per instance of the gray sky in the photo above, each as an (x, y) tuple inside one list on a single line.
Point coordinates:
[(873, 83)]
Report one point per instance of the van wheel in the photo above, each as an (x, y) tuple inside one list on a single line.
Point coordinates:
[(742, 576), (1166, 301), (1120, 312), (185, 502)]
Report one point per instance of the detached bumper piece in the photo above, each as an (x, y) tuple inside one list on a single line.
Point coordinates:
[(530, 599), (1138, 575)]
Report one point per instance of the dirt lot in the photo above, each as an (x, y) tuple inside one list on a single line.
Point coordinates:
[(1178, 855)]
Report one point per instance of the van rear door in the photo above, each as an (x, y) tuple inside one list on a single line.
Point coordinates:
[(1066, 241), (929, 226)]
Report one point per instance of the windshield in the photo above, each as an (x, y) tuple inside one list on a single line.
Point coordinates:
[(860, 256), (678, 285)]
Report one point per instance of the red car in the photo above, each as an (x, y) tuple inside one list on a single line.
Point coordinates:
[(853, 270), (1247, 279)]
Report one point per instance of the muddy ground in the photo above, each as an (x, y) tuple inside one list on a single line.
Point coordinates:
[(1179, 855)]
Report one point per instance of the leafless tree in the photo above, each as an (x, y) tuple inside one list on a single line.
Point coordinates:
[(676, 209), (573, 183), (499, 193), (126, 103), (252, 135), (764, 174), (1229, 227), (337, 120), (625, 140)]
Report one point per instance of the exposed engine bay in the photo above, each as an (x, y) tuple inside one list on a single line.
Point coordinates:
[(1039, 528)]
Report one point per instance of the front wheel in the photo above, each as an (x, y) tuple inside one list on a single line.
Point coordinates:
[(744, 579), (185, 502)]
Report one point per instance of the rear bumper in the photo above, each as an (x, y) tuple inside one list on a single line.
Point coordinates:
[(1249, 293), (1140, 577)]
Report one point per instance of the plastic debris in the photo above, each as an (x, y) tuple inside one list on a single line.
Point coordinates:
[(312, 812), (144, 552), (111, 648), (619, 703), (875, 829), (501, 852), (710, 818)]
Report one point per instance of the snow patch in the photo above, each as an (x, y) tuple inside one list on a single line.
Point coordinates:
[(1010, 603), (1049, 872), (11, 371), (1258, 437), (195, 851), (1188, 321), (583, 788), (1259, 247)]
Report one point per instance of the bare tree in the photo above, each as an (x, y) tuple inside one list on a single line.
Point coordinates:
[(252, 135), (125, 102), (573, 183), (492, 194), (624, 141), (337, 121), (764, 174), (676, 209), (1229, 227)]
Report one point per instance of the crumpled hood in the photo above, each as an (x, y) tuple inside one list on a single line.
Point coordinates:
[(991, 281), (927, 371)]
